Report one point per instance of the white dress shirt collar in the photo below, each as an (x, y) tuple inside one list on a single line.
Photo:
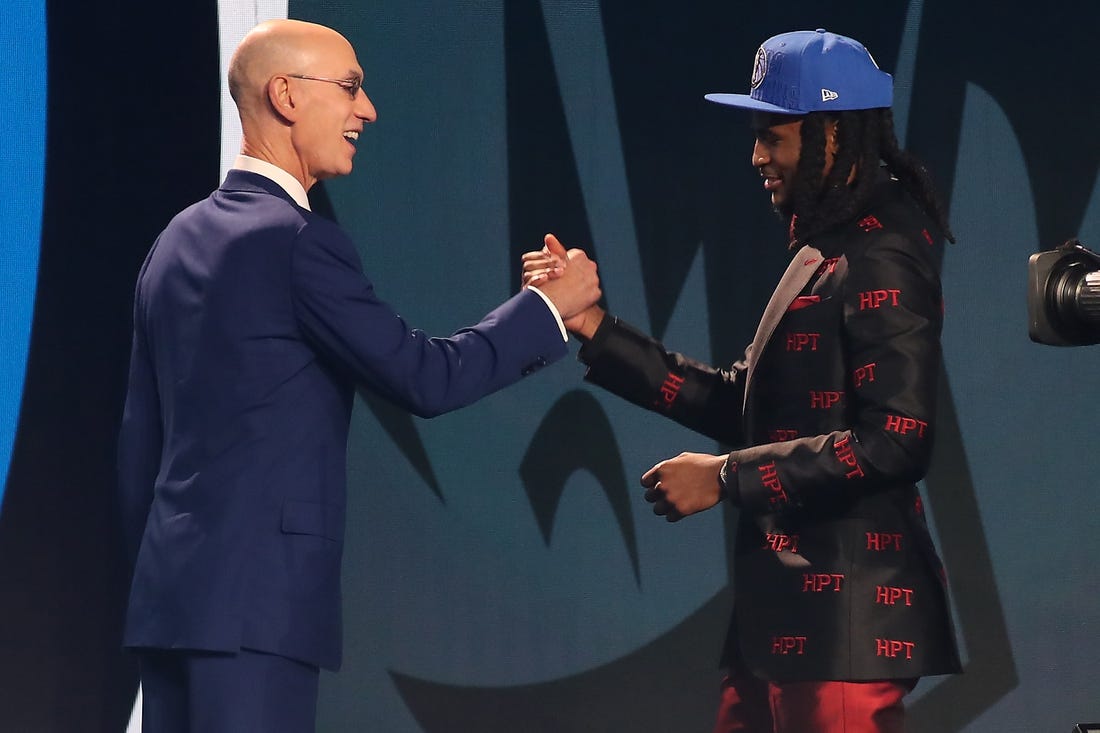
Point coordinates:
[(285, 181)]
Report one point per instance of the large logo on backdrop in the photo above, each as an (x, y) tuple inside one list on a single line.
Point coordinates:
[(678, 155)]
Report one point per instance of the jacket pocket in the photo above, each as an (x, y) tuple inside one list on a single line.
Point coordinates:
[(313, 518)]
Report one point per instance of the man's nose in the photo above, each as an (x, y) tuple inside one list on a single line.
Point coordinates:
[(759, 155), (364, 108)]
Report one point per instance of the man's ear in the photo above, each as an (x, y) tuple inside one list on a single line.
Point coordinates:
[(281, 98)]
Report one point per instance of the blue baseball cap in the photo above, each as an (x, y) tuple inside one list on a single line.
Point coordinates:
[(813, 71)]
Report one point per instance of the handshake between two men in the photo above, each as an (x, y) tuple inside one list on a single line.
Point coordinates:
[(677, 487)]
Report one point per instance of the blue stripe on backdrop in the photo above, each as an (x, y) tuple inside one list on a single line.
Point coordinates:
[(22, 165)]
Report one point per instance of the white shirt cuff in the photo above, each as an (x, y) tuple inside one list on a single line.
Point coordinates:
[(553, 309)]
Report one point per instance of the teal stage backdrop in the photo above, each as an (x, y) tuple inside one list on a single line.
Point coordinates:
[(502, 572)]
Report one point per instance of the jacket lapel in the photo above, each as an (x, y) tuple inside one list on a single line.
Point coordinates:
[(802, 267)]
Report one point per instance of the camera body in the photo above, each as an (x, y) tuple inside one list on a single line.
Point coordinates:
[(1063, 296)]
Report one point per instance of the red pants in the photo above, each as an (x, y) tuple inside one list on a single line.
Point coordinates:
[(758, 706)]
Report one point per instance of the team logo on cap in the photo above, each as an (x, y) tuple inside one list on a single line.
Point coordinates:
[(759, 67), (828, 95)]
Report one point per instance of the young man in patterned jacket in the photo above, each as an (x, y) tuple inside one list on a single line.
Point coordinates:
[(840, 596)]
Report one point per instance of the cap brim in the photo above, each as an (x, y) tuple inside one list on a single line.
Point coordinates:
[(744, 101)]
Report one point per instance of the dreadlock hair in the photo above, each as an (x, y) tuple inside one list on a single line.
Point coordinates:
[(864, 138)]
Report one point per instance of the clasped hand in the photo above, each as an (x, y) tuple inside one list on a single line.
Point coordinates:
[(550, 268)]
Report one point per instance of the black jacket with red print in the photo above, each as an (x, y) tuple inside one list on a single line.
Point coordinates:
[(833, 406)]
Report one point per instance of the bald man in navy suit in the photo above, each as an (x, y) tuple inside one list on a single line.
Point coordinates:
[(253, 325)]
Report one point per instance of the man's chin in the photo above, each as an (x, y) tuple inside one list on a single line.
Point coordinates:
[(336, 172)]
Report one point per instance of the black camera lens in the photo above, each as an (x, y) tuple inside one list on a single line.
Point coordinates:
[(1074, 298), (1063, 296)]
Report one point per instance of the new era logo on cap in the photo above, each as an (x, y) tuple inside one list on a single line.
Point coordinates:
[(812, 71)]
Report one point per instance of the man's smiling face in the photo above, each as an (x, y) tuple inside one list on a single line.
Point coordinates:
[(335, 108), (775, 154)]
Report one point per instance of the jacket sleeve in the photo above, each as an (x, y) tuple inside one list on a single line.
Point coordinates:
[(340, 314), (639, 369), (140, 439), (892, 318)]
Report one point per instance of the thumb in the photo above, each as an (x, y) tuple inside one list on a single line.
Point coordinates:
[(554, 247), (652, 476)]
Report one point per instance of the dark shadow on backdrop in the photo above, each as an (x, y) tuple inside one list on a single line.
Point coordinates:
[(990, 671), (624, 695), (547, 196), (577, 420)]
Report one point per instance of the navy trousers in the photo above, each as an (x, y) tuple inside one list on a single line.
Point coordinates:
[(204, 692)]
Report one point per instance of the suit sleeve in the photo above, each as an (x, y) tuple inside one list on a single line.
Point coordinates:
[(892, 317), (140, 438), (639, 369), (341, 315)]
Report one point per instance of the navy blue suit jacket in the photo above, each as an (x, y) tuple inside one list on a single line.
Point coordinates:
[(253, 323)]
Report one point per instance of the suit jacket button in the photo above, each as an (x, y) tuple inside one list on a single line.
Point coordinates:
[(534, 366)]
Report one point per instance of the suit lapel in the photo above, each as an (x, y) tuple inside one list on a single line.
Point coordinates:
[(798, 273)]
